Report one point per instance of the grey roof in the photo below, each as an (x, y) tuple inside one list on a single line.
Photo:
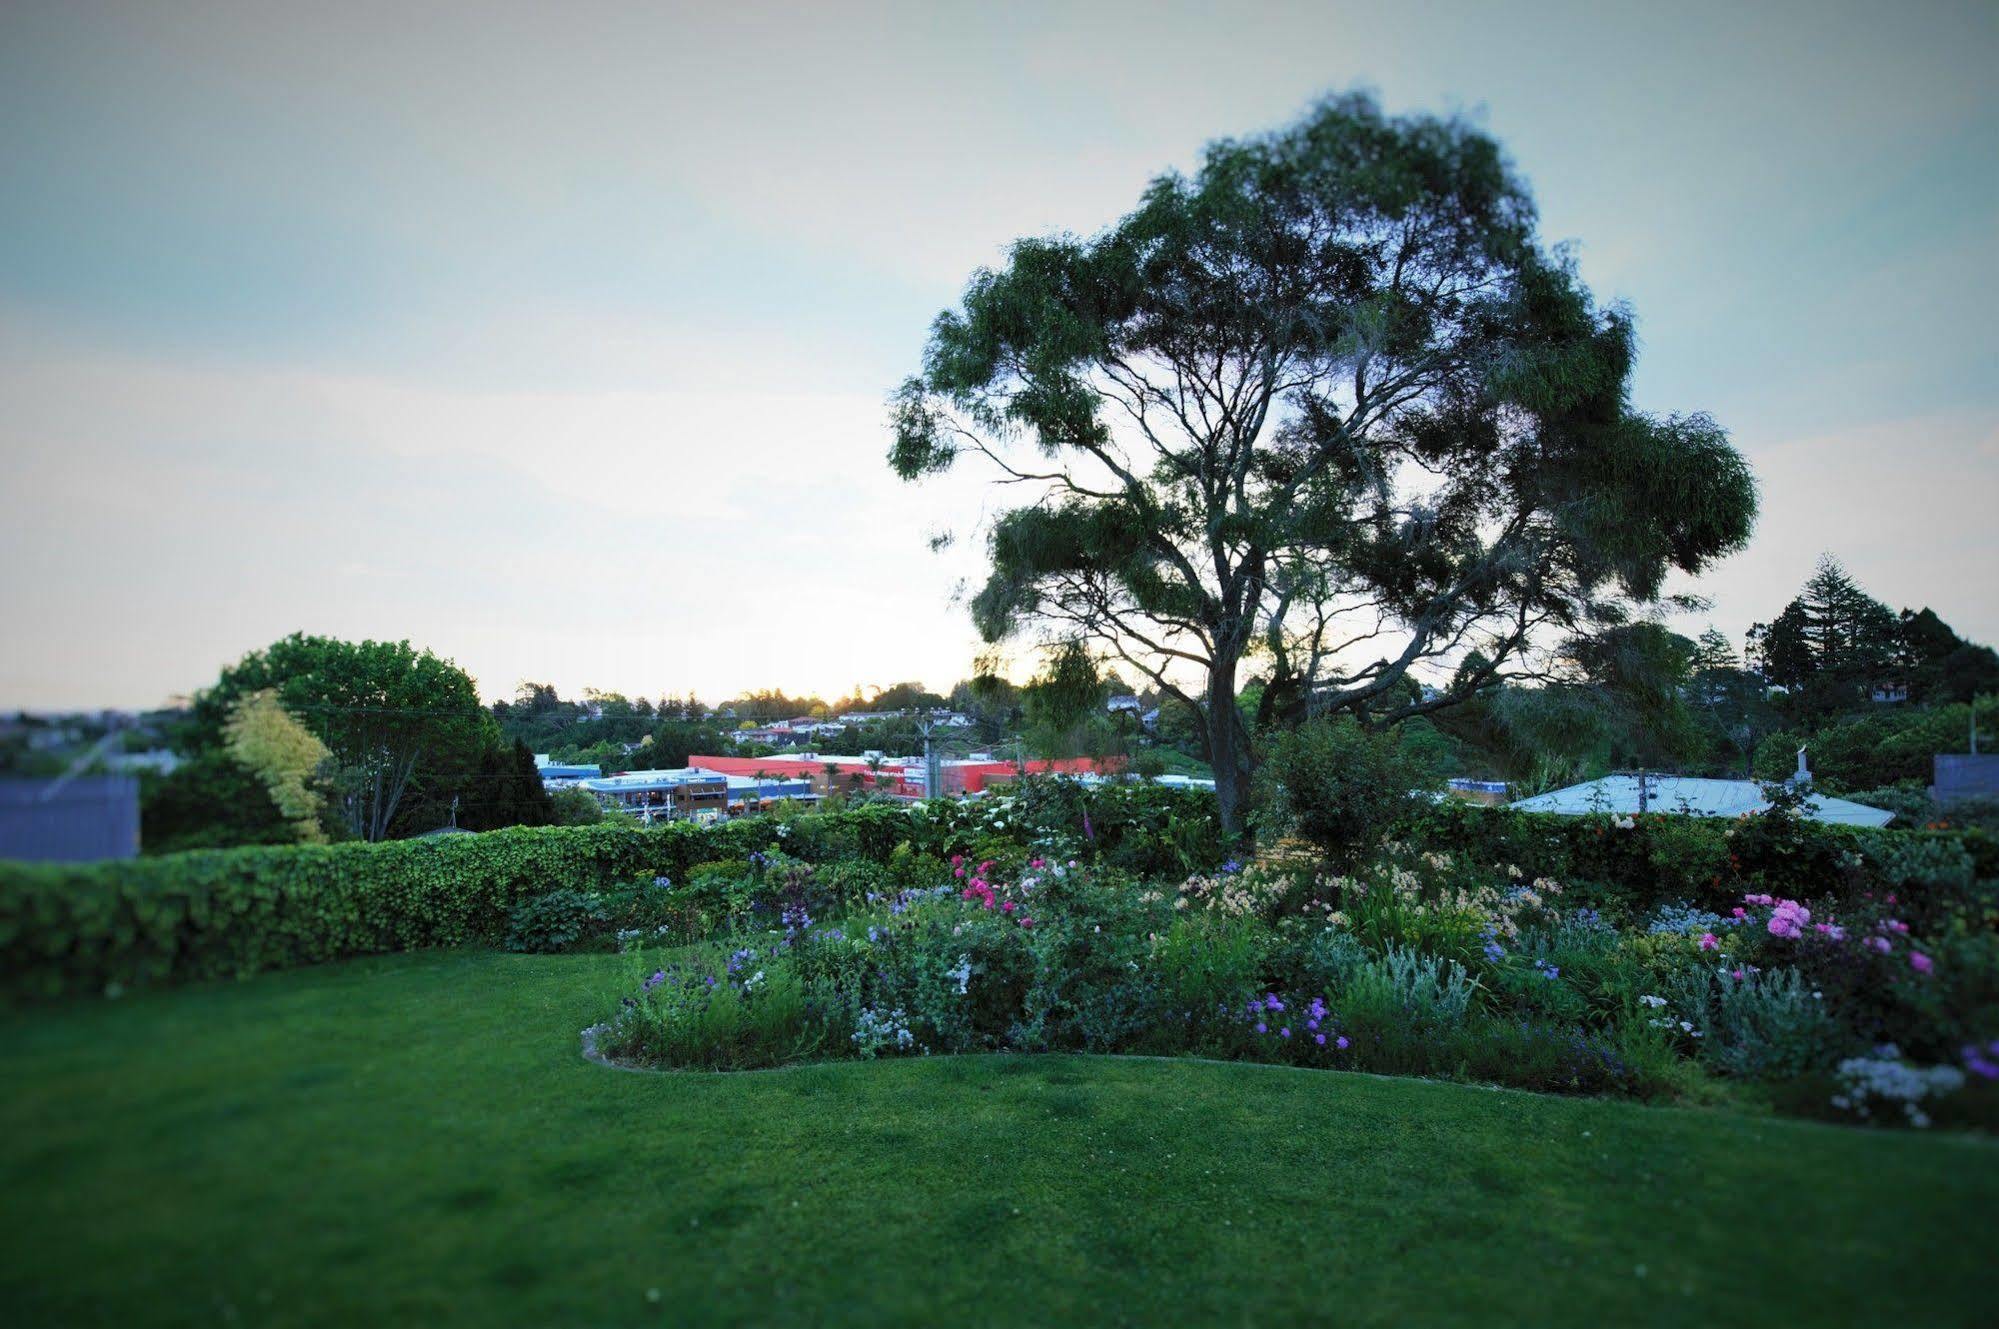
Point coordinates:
[(69, 821), (1692, 797), (1965, 775)]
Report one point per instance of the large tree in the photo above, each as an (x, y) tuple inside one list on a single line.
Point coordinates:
[(1831, 642), (1325, 412), (386, 710)]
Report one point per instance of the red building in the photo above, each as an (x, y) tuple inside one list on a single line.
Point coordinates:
[(901, 776)]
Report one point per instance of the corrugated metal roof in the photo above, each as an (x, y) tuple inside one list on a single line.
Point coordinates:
[(1691, 796), (69, 821)]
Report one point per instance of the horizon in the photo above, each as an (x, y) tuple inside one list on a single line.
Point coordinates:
[(569, 361)]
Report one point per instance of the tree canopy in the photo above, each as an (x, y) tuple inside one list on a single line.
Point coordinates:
[(1325, 410), (385, 709)]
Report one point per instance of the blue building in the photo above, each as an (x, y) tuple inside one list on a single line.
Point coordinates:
[(70, 820)]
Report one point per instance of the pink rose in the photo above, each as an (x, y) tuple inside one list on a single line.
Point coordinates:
[(1710, 942)]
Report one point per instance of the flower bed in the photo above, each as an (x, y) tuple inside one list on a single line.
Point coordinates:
[(1420, 962)]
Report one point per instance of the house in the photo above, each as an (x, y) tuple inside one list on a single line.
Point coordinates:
[(1627, 795), (558, 775), (1962, 775), (1489, 792), (695, 792), (156, 761), (70, 819)]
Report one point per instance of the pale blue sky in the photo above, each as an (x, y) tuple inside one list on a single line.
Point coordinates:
[(556, 337)]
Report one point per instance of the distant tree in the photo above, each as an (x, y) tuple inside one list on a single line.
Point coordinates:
[(1062, 702), (507, 791), (1831, 643), (211, 801), (1326, 411), (905, 696), (1730, 697), (1967, 673), (574, 807), (288, 758), (386, 709)]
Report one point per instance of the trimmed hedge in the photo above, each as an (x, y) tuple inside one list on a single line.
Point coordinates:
[(234, 912), (221, 913)]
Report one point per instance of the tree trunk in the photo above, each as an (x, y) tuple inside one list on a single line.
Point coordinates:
[(1227, 746)]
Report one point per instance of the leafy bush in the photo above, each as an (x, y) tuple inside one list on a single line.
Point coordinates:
[(1768, 1023), (555, 921), (740, 1014), (1343, 788)]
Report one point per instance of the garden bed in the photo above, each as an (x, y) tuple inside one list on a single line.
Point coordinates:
[(1417, 962)]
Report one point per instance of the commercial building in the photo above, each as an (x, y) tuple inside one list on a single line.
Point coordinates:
[(695, 792)]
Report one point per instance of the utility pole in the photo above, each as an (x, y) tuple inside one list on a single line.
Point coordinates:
[(933, 781)]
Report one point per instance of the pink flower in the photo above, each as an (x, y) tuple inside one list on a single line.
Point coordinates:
[(1027, 922), (1710, 942), (1921, 963), (1738, 975), (957, 860), (1034, 863), (1008, 907), (1759, 899), (1740, 912)]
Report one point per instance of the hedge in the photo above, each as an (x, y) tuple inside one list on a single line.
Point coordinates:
[(221, 913), (233, 912), (1641, 861)]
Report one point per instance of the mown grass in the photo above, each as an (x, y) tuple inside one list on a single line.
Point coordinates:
[(416, 1140)]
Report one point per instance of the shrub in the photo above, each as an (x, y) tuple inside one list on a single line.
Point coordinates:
[(555, 921), (1343, 788), (1554, 1057), (736, 1016), (1768, 1023), (1205, 964)]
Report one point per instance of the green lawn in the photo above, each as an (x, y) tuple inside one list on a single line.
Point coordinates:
[(415, 1140)]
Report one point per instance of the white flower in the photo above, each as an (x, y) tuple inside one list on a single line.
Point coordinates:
[(1654, 1002)]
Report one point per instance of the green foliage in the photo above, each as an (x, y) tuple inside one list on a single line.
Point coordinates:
[(227, 913), (400, 721), (1770, 1023), (1288, 278), (1343, 788), (507, 790), (210, 801), (555, 921), (1883, 746), (573, 807)]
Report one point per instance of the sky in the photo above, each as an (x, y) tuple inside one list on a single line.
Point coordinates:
[(556, 338)]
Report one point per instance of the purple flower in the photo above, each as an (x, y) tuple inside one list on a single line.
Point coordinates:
[(1341, 1044), (1285, 1032), (1320, 1039), (1262, 1028)]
